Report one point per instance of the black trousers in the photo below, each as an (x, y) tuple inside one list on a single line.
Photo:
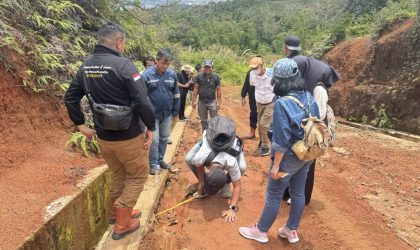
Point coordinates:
[(309, 185), (253, 115), (183, 98)]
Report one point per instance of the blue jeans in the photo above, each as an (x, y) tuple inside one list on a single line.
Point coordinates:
[(160, 140), (296, 179)]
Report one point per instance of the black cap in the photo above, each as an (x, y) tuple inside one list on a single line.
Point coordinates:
[(197, 67), (216, 180), (292, 43), (208, 63)]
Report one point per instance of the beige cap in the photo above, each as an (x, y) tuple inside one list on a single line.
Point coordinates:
[(255, 62), (187, 68)]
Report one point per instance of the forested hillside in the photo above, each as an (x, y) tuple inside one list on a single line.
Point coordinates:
[(57, 35), (261, 25)]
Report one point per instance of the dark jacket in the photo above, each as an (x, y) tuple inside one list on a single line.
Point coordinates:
[(115, 80), (163, 92), (247, 89), (183, 79), (314, 71)]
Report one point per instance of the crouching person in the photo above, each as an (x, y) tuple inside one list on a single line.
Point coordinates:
[(217, 161)]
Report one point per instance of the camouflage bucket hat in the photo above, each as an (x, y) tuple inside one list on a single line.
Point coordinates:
[(285, 68)]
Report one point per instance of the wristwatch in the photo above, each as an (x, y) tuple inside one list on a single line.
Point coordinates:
[(234, 208)]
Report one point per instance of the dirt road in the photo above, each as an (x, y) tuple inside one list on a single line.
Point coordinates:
[(366, 196)]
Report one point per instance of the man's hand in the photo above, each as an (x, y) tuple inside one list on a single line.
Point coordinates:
[(274, 171), (193, 104), (243, 102), (229, 215), (86, 131), (218, 105), (200, 189), (149, 139), (174, 119)]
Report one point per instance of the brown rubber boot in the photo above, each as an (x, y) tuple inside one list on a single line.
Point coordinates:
[(135, 214), (251, 134), (124, 224)]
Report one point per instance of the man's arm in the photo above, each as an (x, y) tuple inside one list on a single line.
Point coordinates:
[(176, 100), (180, 85), (236, 192), (219, 96), (219, 92), (195, 94), (321, 99), (72, 99), (139, 95), (230, 214), (245, 87)]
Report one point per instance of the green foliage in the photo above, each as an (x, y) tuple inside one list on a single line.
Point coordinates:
[(382, 120), (10, 42), (395, 10), (79, 141), (50, 33), (227, 63), (364, 120), (262, 25), (351, 119)]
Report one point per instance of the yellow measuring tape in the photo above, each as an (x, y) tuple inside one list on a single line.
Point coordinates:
[(280, 174), (177, 205)]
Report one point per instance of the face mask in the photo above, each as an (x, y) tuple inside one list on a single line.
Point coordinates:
[(257, 71)]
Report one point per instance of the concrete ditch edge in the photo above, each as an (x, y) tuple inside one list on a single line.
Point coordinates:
[(80, 223), (83, 221), (148, 199), (390, 132)]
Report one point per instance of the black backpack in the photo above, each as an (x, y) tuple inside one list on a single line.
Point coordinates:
[(221, 135)]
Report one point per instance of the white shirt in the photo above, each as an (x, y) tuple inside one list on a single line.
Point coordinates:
[(235, 166), (321, 98), (263, 89)]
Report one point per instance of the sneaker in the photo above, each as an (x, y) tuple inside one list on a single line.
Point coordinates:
[(265, 151), (289, 201), (290, 235), (199, 196), (182, 119), (152, 169), (165, 165), (253, 233), (191, 189), (169, 141), (226, 192)]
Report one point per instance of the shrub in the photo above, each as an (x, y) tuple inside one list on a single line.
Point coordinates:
[(229, 65)]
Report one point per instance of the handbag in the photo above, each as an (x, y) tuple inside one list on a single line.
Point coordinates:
[(316, 135), (109, 116)]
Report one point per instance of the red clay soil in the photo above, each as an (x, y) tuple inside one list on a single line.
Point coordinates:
[(35, 168), (382, 71), (365, 197)]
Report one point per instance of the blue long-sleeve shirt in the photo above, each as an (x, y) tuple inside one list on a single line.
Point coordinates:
[(163, 92), (287, 118)]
